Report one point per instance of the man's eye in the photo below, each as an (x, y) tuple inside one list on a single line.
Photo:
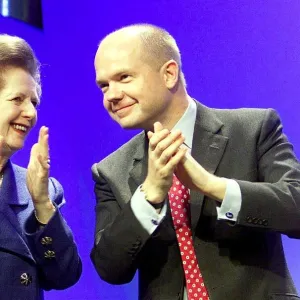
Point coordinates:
[(124, 77), (103, 86)]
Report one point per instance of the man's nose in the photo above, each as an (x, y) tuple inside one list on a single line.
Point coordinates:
[(114, 93)]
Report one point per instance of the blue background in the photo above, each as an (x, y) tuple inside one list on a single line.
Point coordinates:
[(235, 54)]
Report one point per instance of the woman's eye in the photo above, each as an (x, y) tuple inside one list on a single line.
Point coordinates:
[(35, 103), (17, 99)]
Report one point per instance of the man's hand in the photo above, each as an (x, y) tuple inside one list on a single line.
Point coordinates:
[(165, 152), (37, 176), (195, 177)]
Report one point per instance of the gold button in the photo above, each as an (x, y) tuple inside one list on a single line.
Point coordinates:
[(25, 279), (49, 254), (46, 240)]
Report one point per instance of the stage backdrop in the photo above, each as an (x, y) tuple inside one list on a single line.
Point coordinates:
[(235, 54)]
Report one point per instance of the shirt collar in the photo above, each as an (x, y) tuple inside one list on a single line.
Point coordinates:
[(187, 123)]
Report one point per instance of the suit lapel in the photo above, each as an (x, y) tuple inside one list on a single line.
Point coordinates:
[(208, 148), (139, 168), (13, 197)]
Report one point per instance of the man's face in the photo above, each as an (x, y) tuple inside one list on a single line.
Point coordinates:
[(134, 92), (18, 101)]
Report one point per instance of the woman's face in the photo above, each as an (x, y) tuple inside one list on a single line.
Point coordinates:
[(18, 102)]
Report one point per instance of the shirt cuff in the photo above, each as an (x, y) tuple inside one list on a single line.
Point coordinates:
[(145, 212), (231, 204)]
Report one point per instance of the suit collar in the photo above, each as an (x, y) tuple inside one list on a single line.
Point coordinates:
[(208, 148), (13, 193), (207, 119), (14, 196), (139, 168)]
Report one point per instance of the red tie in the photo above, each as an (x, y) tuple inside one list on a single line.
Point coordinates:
[(179, 198)]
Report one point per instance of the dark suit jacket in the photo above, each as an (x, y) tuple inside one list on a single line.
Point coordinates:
[(241, 261), (33, 259)]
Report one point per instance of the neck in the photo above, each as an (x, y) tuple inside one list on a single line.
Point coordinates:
[(179, 105), (3, 161)]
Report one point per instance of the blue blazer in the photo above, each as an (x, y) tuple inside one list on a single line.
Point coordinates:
[(33, 259)]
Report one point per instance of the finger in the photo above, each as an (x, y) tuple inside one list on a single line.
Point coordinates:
[(41, 134), (46, 145), (44, 141), (41, 147), (174, 160), (158, 127), (165, 143), (33, 153), (172, 149), (157, 137), (150, 134), (45, 163)]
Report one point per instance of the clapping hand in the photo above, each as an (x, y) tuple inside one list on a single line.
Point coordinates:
[(38, 175)]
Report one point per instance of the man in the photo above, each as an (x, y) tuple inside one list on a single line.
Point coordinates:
[(197, 202)]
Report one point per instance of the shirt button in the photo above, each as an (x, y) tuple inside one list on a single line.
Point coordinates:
[(154, 222), (229, 215)]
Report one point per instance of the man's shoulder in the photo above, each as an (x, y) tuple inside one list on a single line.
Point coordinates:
[(242, 113), (247, 116)]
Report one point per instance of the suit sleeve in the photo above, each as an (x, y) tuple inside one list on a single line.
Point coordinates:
[(273, 202), (119, 236), (53, 246)]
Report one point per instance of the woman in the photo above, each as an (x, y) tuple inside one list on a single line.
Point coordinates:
[(37, 250)]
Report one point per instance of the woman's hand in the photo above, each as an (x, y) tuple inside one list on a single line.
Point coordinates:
[(38, 175)]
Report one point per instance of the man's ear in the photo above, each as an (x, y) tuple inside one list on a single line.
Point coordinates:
[(170, 72)]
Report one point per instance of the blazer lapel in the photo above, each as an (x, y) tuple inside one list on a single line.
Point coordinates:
[(208, 148), (12, 196), (138, 172)]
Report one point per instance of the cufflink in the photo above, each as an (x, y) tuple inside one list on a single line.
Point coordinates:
[(229, 215), (154, 222)]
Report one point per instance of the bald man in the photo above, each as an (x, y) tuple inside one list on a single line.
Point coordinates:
[(196, 202)]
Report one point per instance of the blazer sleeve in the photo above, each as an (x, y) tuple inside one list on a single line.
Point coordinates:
[(53, 246), (119, 236), (273, 202)]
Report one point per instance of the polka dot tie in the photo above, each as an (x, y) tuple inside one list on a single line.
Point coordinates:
[(179, 198)]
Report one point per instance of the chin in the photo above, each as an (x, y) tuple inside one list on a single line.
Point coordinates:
[(16, 147), (128, 124)]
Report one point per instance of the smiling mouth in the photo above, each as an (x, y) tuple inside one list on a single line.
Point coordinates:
[(122, 108), (21, 128)]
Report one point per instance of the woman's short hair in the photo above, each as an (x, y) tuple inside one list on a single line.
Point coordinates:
[(16, 52)]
